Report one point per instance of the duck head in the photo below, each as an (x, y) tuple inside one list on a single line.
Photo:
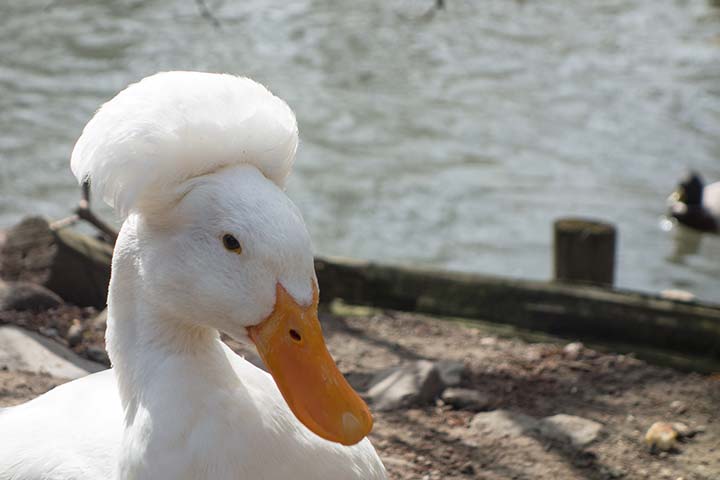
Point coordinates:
[(685, 204), (689, 191), (199, 162), (234, 254)]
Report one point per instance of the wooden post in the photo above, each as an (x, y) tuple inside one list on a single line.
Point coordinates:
[(584, 251)]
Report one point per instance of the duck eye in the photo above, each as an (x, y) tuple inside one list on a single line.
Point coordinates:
[(231, 243)]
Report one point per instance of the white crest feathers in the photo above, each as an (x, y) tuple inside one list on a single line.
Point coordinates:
[(173, 126)]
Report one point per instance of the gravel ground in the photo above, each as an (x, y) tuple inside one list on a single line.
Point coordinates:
[(535, 378)]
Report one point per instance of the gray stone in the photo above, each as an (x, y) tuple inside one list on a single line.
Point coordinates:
[(503, 423), (451, 372), (464, 398), (678, 407), (75, 333), (407, 385), (577, 430), (22, 350), (99, 323), (98, 354), (573, 350), (26, 296), (685, 431)]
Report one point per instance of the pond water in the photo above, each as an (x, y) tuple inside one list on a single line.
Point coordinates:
[(450, 139)]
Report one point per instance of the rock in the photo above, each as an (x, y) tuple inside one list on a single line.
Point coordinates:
[(685, 432), (502, 423), (51, 332), (678, 407), (27, 296), (451, 372), (573, 350), (358, 380), (73, 265), (679, 295), (661, 435), (75, 333), (97, 354), (407, 385), (22, 350), (563, 428), (466, 399), (577, 431), (612, 472), (99, 323)]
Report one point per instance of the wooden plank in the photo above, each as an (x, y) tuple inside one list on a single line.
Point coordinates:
[(582, 312)]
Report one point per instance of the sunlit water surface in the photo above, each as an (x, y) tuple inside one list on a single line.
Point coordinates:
[(450, 140)]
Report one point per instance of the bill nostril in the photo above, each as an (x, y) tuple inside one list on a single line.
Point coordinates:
[(295, 335)]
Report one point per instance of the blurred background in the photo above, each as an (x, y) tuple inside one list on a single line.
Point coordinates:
[(449, 138)]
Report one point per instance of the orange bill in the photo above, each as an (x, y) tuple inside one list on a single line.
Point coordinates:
[(291, 344)]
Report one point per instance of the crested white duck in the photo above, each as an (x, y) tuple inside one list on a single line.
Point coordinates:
[(196, 164), (695, 204)]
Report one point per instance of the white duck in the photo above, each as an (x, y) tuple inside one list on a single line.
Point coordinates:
[(196, 163)]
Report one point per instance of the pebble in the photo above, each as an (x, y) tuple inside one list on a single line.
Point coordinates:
[(613, 472), (51, 332), (99, 323), (685, 431), (75, 333), (676, 294), (573, 350), (98, 355), (678, 407), (661, 435), (466, 399), (488, 341)]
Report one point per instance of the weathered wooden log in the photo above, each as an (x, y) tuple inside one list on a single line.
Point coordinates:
[(584, 251), (73, 265), (586, 313)]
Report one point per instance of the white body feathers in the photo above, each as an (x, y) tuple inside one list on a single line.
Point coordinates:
[(209, 429), (711, 200)]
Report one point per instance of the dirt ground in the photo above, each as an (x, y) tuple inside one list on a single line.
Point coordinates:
[(538, 378)]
